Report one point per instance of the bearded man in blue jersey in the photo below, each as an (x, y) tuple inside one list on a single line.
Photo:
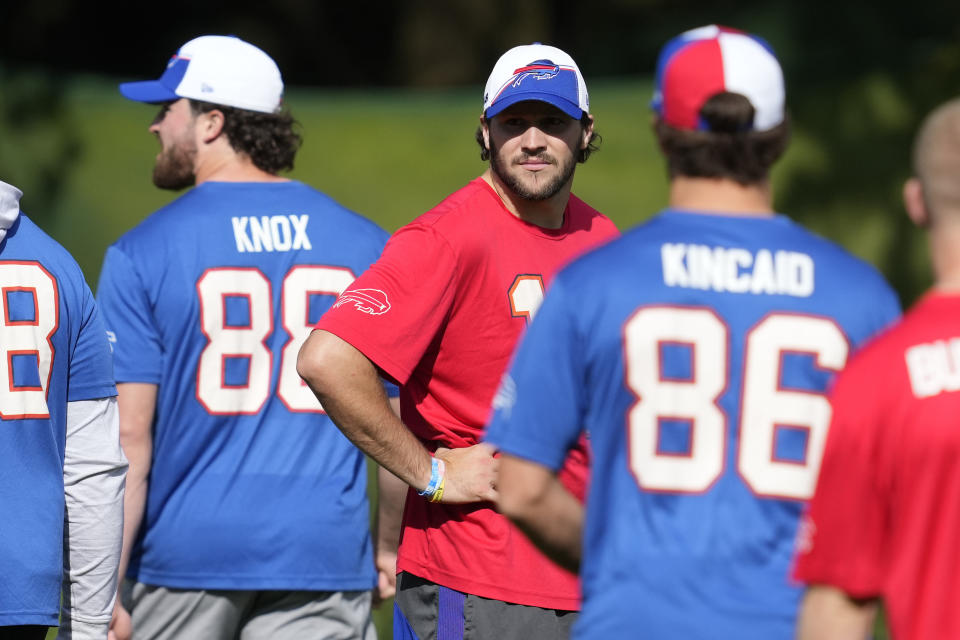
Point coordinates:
[(695, 352), (61, 466), (247, 513)]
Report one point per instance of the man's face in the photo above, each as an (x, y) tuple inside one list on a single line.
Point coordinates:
[(174, 128), (534, 147)]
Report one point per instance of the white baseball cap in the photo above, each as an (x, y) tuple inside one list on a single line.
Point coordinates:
[(536, 72), (219, 69)]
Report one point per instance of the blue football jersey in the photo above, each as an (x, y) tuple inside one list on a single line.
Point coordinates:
[(695, 352), (53, 350), (251, 485)]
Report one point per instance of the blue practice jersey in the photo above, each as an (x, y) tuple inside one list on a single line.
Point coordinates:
[(251, 485), (695, 352), (53, 350)]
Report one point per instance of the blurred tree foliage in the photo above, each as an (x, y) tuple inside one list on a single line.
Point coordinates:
[(38, 143), (861, 78)]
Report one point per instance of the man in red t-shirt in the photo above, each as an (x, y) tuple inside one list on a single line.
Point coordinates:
[(440, 313), (885, 519)]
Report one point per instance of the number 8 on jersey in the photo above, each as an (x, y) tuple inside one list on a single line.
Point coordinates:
[(30, 317)]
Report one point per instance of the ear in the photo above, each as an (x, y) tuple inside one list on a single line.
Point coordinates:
[(210, 125), (485, 129), (587, 133), (915, 203)]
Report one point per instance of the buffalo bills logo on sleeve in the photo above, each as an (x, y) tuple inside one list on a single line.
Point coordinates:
[(372, 301), (540, 70)]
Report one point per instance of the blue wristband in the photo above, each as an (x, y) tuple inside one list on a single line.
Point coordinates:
[(435, 474)]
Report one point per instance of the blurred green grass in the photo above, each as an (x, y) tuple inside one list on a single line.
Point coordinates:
[(391, 155)]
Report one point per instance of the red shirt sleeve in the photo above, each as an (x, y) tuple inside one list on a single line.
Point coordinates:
[(843, 537), (394, 310)]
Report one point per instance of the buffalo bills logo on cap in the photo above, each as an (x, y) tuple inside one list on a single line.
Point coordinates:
[(560, 88), (372, 301), (535, 72), (540, 69)]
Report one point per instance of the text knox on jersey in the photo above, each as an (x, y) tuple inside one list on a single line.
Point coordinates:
[(271, 233)]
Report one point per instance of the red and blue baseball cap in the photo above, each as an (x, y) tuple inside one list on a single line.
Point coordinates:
[(536, 72), (219, 69), (700, 63)]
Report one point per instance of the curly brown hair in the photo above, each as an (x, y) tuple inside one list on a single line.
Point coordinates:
[(593, 145), (728, 149), (269, 139)]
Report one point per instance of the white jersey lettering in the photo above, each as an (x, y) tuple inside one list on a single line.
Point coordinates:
[(271, 233), (280, 229), (736, 270), (934, 367), (240, 234), (260, 230), (764, 279), (674, 271), (300, 239)]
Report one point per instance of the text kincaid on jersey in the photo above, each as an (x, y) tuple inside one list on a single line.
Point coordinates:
[(737, 270)]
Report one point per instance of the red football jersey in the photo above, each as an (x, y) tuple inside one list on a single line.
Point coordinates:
[(441, 312), (885, 519)]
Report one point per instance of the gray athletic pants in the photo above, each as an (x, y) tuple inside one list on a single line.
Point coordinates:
[(425, 610), (160, 613)]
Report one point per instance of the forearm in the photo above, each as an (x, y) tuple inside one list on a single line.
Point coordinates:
[(540, 506), (392, 494), (382, 437), (555, 525), (134, 503), (827, 613), (391, 498), (349, 388), (93, 474), (137, 403)]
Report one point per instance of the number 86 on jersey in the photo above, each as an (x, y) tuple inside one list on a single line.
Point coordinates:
[(767, 408)]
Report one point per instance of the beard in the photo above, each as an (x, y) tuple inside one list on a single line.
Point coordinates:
[(536, 191), (174, 167)]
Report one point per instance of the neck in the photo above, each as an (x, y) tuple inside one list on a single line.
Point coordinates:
[(543, 213), (226, 165), (721, 196), (944, 241)]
